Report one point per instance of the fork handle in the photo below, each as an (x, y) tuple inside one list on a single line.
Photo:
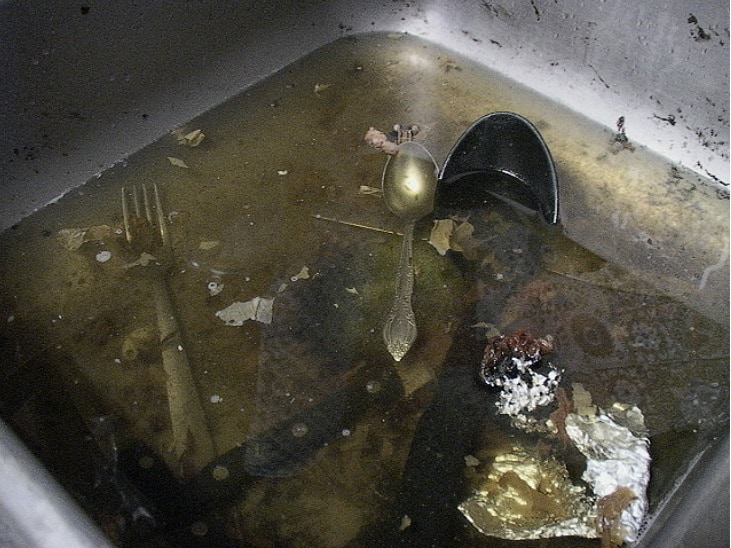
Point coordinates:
[(192, 441)]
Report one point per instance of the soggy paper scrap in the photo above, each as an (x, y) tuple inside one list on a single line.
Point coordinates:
[(74, 238), (449, 234), (366, 190), (303, 274), (177, 162), (440, 233), (319, 88), (258, 309), (207, 245), (144, 260), (190, 138)]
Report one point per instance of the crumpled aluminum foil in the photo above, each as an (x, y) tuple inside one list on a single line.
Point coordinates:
[(617, 455), (528, 496), (525, 495)]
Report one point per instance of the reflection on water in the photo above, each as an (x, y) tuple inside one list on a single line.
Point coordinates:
[(335, 423)]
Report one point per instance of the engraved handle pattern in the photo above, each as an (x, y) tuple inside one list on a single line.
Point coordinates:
[(399, 331)]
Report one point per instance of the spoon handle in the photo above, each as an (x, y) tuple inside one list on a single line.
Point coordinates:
[(399, 332)]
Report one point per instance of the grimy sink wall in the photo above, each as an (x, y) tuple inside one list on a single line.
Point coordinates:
[(85, 84)]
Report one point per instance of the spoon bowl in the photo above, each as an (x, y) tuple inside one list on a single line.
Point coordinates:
[(410, 182)]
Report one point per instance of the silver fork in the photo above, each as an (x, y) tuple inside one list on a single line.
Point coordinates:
[(192, 442)]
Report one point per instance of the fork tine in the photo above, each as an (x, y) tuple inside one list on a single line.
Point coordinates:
[(125, 216), (136, 200), (161, 222), (148, 206)]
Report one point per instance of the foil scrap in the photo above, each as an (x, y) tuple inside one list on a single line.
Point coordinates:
[(618, 456), (526, 496)]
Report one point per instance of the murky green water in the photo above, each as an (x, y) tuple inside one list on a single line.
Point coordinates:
[(644, 324)]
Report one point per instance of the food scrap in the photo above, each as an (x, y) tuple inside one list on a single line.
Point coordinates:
[(258, 309), (455, 235), (511, 363), (177, 162), (303, 274), (319, 88), (73, 238), (366, 190), (380, 141), (188, 138)]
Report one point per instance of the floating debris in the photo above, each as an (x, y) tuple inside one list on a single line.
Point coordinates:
[(144, 260), (207, 245), (319, 88), (440, 233), (142, 344), (258, 309), (449, 234), (177, 162), (103, 256), (405, 522), (73, 238), (510, 362), (214, 288), (366, 190), (189, 139), (303, 274), (220, 472), (380, 141)]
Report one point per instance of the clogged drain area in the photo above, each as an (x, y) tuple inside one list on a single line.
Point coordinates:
[(278, 201)]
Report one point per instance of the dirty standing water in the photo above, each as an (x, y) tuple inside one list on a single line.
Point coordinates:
[(276, 206)]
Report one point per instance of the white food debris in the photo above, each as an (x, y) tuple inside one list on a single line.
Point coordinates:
[(405, 522), (215, 398), (525, 392), (103, 256), (74, 238), (214, 288), (258, 309)]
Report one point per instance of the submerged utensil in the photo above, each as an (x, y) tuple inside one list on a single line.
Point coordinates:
[(409, 184), (501, 154)]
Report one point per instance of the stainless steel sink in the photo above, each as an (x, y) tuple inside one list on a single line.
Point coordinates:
[(85, 85)]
